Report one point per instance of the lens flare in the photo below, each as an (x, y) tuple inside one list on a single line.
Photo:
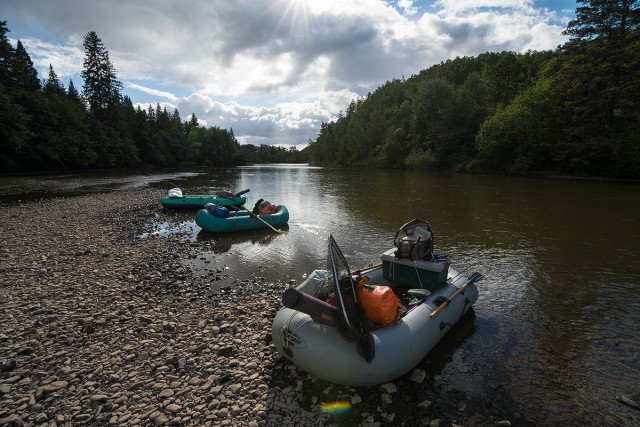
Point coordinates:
[(336, 408)]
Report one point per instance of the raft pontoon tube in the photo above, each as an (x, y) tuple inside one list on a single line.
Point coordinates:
[(241, 220), (176, 200)]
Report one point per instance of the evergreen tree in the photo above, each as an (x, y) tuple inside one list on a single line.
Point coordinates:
[(152, 113), (599, 84), (53, 83), (7, 53), (14, 129), (612, 19), (102, 93), (73, 93), (101, 89), (25, 75)]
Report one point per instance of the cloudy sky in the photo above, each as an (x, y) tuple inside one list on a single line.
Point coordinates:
[(273, 70)]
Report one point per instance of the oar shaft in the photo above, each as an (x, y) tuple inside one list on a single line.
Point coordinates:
[(265, 222), (370, 267), (446, 303), (472, 279)]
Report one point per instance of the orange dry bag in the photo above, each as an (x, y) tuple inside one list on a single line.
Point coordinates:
[(380, 304), (269, 209)]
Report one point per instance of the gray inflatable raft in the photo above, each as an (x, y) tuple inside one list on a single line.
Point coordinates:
[(321, 350)]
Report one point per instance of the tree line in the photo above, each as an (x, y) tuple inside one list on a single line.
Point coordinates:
[(574, 110), (45, 126)]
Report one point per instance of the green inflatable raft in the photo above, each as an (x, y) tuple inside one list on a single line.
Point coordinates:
[(241, 220), (176, 200)]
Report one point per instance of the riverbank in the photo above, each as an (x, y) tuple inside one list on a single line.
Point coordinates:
[(101, 327)]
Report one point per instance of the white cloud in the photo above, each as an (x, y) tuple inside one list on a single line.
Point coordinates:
[(273, 68), (292, 123), (158, 93), (455, 7), (65, 58), (408, 7)]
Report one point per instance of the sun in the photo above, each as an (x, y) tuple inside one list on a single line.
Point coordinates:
[(294, 17)]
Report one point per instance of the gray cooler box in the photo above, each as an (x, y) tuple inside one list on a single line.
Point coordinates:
[(430, 275)]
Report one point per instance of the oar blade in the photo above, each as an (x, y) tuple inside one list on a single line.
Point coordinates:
[(475, 277)]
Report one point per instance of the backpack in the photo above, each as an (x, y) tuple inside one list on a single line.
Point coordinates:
[(414, 241)]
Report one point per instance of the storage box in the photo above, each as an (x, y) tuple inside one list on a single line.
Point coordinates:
[(415, 274)]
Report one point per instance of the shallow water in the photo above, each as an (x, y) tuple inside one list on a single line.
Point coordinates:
[(553, 338)]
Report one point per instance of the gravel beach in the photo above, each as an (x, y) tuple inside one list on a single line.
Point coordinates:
[(101, 327)]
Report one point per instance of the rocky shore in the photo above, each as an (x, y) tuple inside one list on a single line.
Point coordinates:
[(101, 327)]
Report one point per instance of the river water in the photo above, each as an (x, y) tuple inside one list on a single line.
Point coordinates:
[(554, 337)]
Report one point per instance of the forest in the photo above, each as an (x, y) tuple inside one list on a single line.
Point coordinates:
[(572, 111), (45, 126)]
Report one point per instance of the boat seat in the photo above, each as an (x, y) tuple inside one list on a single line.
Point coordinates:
[(418, 292), (412, 297)]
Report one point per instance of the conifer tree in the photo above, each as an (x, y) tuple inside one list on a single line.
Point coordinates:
[(25, 75), (53, 83), (73, 93), (7, 53), (611, 19), (101, 89), (600, 75)]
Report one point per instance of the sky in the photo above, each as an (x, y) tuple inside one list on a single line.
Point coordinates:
[(273, 70)]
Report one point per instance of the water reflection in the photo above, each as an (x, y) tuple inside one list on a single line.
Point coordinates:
[(555, 335), (33, 187)]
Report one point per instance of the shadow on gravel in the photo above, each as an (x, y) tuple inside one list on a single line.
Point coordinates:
[(413, 403)]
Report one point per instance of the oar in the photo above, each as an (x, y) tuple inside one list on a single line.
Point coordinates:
[(231, 196), (265, 222), (473, 277), (367, 268)]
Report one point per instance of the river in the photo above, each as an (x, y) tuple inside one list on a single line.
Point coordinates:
[(554, 337)]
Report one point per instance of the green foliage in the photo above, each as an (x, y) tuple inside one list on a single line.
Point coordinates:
[(13, 132), (420, 159), (49, 129), (519, 138), (429, 121), (252, 154), (25, 75), (53, 83), (101, 89), (7, 53), (598, 81), (73, 93), (574, 111)]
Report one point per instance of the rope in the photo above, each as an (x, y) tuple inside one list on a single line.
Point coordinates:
[(285, 328), (415, 265)]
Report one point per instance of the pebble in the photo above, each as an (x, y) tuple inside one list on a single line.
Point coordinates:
[(418, 375), (100, 326)]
